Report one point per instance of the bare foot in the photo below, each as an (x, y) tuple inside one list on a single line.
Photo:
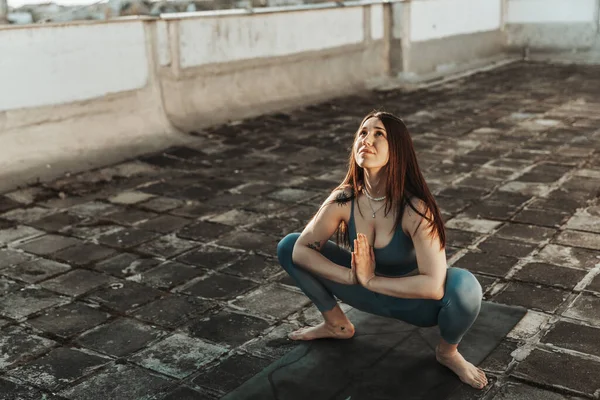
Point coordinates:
[(467, 372), (324, 330)]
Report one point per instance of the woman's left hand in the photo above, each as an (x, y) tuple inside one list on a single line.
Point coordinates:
[(363, 259)]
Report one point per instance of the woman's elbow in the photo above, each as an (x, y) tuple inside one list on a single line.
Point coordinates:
[(436, 291)]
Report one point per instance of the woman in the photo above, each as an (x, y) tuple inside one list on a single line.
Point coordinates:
[(397, 263)]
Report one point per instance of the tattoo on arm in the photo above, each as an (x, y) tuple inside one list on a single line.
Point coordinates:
[(342, 198), (314, 246)]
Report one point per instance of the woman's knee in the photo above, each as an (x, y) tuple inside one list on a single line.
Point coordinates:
[(462, 287), (285, 248)]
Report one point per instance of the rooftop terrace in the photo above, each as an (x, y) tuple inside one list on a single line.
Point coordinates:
[(156, 277)]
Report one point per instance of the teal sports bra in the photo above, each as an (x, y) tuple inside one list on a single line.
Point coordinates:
[(397, 258)]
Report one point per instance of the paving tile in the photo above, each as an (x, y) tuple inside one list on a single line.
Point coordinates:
[(9, 258), (224, 287), (277, 226), (227, 328), (69, 319), (519, 391), (465, 193), (193, 210), (7, 204), (120, 337), (56, 222), (531, 297), (489, 210), (526, 233), (231, 373), (273, 300), (164, 224), (77, 282), (291, 195), (27, 215), (92, 209), (91, 231), (127, 264), (166, 246), (128, 198), (574, 337), (509, 198), (18, 233), (233, 217), (168, 275), (301, 212), (5, 224), (185, 393), (58, 368), (178, 355), (585, 240), (586, 308), (28, 301), (544, 173), (585, 220), (551, 275), (568, 256), (48, 244), (473, 225), (124, 296), (593, 285), (36, 270), (458, 238), (274, 344), (123, 382), (16, 345), (484, 263), (8, 286), (204, 231), (84, 254), (129, 217), (16, 391), (548, 218), (161, 204), (494, 245), (450, 205), (173, 311), (555, 204), (250, 241), (254, 266), (266, 206), (127, 238), (209, 257), (575, 373), (499, 359), (485, 281)]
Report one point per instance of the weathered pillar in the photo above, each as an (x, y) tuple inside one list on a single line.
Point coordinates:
[(3, 11)]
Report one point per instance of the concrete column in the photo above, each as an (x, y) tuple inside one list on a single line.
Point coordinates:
[(3, 11)]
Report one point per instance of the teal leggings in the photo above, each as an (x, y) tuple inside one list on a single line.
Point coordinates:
[(454, 313)]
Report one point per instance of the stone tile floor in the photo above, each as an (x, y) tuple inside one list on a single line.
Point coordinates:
[(157, 278)]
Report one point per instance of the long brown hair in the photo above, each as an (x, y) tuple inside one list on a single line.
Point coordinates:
[(404, 179)]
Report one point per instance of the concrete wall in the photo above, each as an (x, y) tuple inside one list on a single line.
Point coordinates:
[(248, 64), (77, 96), (552, 25), (438, 35), (81, 95)]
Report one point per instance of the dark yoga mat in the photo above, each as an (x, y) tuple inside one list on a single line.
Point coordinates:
[(386, 359)]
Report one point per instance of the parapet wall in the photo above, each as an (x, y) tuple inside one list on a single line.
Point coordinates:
[(552, 25), (80, 95)]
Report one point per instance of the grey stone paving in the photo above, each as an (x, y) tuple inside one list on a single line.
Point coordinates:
[(157, 278)]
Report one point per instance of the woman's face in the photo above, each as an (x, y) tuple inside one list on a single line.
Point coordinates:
[(371, 146)]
